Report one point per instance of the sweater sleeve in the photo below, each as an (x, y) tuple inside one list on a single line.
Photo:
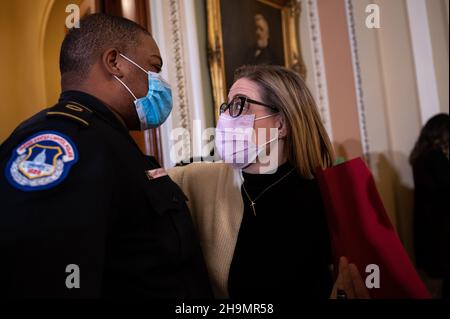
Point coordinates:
[(215, 202)]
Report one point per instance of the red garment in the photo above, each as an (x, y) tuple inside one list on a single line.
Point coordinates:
[(361, 230)]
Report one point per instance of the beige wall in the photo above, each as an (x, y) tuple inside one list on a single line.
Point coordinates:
[(389, 90), (402, 107), (32, 32), (438, 17), (7, 104), (391, 99), (54, 34), (375, 102), (22, 84)]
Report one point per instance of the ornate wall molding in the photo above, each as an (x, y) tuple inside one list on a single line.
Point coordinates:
[(178, 55), (181, 96), (358, 81)]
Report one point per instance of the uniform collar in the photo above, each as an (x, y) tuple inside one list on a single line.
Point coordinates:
[(94, 104)]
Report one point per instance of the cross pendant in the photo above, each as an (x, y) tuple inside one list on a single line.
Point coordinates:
[(253, 207)]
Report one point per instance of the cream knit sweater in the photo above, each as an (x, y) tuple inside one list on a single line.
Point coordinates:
[(215, 201)]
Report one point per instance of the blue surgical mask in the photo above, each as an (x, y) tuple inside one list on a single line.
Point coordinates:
[(154, 108)]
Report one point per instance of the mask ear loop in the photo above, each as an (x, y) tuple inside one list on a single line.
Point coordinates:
[(134, 96), (134, 63), (266, 116), (154, 74)]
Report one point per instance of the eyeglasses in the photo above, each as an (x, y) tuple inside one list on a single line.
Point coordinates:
[(239, 103)]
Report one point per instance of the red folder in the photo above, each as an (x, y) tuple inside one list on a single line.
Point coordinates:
[(361, 230)]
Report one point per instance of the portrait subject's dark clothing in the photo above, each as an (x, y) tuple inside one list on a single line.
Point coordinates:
[(283, 251), (266, 56), (130, 236), (431, 213)]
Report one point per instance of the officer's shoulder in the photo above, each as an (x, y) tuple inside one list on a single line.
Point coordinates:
[(64, 119), (71, 112), (40, 153), (62, 116)]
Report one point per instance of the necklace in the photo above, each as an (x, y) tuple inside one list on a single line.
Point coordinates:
[(253, 202)]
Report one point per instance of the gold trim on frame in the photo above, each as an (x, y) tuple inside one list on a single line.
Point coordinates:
[(290, 13)]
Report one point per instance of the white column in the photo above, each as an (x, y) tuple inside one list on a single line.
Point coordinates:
[(175, 27), (197, 73), (423, 59)]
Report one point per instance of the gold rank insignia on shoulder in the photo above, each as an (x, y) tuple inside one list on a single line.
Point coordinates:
[(72, 111)]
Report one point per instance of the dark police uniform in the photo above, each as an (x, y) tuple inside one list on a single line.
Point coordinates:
[(79, 206)]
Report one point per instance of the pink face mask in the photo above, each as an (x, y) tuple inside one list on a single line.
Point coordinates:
[(234, 139)]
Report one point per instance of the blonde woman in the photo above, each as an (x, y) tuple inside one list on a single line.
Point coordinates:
[(265, 234)]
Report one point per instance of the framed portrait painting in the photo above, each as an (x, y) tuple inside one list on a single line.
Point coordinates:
[(251, 32)]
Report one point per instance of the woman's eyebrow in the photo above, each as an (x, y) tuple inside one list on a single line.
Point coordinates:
[(238, 95)]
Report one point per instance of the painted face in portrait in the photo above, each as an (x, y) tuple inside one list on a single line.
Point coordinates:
[(262, 31)]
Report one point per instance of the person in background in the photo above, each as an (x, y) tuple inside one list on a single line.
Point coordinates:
[(430, 163)]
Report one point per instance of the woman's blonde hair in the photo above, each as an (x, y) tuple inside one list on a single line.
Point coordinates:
[(308, 146)]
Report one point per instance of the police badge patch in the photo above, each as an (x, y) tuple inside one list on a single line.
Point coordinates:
[(41, 162)]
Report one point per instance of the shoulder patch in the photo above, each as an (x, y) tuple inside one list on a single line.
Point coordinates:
[(72, 111), (42, 161)]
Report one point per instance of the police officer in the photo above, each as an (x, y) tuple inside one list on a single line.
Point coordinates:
[(83, 212)]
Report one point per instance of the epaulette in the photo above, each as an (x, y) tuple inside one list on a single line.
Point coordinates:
[(72, 111)]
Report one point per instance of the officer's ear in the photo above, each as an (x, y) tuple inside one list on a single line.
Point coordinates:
[(112, 63)]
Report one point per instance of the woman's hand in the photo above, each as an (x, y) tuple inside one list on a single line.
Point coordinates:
[(349, 284)]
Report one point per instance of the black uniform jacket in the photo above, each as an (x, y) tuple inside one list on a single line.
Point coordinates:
[(82, 217)]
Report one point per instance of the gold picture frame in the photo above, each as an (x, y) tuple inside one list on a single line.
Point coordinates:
[(290, 20)]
